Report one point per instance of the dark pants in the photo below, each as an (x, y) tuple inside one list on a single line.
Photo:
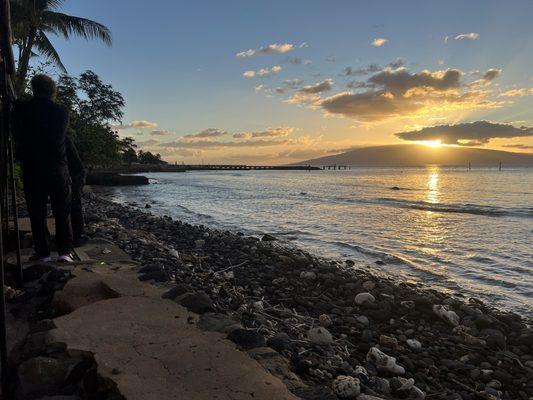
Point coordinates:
[(76, 213), (37, 189)]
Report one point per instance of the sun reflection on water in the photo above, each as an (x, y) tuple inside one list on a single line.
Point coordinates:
[(433, 192)]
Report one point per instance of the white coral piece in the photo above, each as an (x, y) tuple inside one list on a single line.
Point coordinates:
[(346, 387)]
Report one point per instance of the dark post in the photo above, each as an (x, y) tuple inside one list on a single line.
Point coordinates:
[(7, 181)]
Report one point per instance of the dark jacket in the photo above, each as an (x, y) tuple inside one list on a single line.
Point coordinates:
[(41, 126)]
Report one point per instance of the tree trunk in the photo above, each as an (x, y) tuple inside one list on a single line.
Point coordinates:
[(24, 62)]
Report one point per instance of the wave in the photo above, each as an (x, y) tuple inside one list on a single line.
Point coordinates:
[(491, 211), (190, 212)]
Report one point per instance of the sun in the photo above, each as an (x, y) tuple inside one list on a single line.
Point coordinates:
[(432, 143)]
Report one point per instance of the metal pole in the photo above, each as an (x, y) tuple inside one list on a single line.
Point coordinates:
[(14, 211)]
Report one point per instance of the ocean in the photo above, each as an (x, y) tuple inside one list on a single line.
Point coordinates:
[(460, 231)]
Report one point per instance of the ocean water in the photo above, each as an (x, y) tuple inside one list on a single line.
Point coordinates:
[(465, 232)]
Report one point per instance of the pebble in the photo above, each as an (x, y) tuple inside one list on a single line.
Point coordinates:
[(346, 387), (313, 298), (319, 336), (363, 298)]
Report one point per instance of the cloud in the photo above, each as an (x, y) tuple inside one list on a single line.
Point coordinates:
[(209, 133), (303, 45), (517, 92), (372, 68), (467, 36), (310, 94), (148, 143), (397, 92), (378, 42), (487, 77), (273, 136), (318, 87), (330, 59), (271, 48), (491, 74), (263, 72), (219, 144), (400, 80), (297, 61), (273, 132), (462, 36), (136, 124), (519, 146), (160, 133), (470, 133)]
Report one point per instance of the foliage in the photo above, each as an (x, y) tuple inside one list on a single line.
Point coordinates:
[(146, 157), (93, 107), (32, 23)]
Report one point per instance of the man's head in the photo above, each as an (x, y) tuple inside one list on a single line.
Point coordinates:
[(43, 86)]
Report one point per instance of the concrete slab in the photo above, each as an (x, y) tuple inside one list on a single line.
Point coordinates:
[(150, 348), (95, 251)]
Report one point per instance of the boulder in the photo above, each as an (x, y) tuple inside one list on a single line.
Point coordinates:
[(198, 303), (114, 179), (247, 339)]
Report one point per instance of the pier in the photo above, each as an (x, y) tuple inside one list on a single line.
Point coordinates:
[(241, 167), (336, 167)]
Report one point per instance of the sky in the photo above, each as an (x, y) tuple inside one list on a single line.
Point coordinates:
[(257, 82)]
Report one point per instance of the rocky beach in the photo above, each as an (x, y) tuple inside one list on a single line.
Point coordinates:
[(328, 328)]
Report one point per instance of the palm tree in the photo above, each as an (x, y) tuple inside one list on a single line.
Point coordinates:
[(34, 20)]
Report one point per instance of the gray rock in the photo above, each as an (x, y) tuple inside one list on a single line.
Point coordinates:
[(247, 339), (218, 323), (199, 303)]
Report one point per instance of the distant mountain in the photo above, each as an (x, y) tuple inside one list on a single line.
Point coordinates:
[(417, 154)]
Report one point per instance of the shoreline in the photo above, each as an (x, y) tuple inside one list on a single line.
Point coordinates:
[(326, 316)]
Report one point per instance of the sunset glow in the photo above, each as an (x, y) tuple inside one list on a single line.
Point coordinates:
[(274, 89)]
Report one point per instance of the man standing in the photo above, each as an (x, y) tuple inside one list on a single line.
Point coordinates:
[(41, 127)]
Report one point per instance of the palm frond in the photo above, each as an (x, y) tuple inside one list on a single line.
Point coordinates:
[(68, 25), (46, 48)]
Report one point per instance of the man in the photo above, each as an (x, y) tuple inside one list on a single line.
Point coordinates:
[(41, 127), (77, 174)]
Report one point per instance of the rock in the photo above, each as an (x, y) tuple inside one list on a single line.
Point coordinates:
[(153, 272), (309, 275), (363, 320), (280, 341), (368, 397), (268, 238), (217, 323), (369, 285), (114, 179), (382, 385), (41, 376), (417, 393), (409, 304), (414, 344), (147, 206), (247, 339), (494, 338), (325, 321), (346, 387), (446, 315), (385, 362), (176, 291), (363, 298), (319, 336), (198, 303), (388, 341)]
